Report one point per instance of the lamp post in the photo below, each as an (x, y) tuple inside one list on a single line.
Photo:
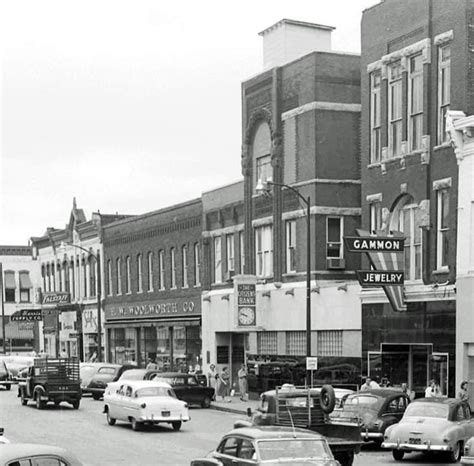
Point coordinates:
[(99, 296), (264, 186)]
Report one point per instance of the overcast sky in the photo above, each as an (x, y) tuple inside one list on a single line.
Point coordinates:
[(130, 106)]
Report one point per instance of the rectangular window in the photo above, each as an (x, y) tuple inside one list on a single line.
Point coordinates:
[(25, 287), (92, 276), (395, 109), (267, 343), (150, 271), (443, 228), (330, 343), (173, 267), (139, 273), (334, 232), (242, 251), (217, 260), (264, 168), (296, 343), (109, 278), (264, 251), (444, 90), (415, 102), (128, 275), (375, 146), (184, 258), (197, 265), (10, 286), (375, 216), (409, 224), (229, 246), (291, 246), (162, 269)]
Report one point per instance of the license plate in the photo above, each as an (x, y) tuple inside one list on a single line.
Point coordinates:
[(414, 441), (165, 413)]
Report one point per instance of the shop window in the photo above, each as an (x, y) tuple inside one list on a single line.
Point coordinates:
[(330, 342), (161, 257), (163, 348), (375, 145), (150, 271), (395, 108), (442, 228), (25, 287), (415, 101), (118, 264), (139, 273), (128, 277), (444, 90), (264, 251), (173, 267), (267, 342), (184, 258), (291, 246), (10, 286), (296, 343), (222, 355), (217, 260), (334, 231), (197, 265)]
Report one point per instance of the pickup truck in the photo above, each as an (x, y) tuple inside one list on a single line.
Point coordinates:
[(52, 379), (307, 408)]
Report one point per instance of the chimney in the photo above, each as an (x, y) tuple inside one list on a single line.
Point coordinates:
[(288, 40)]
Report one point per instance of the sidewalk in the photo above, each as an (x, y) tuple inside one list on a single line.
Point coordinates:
[(236, 406)]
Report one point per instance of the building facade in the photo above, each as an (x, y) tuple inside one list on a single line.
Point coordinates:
[(153, 288), (416, 65), (19, 280), (300, 123)]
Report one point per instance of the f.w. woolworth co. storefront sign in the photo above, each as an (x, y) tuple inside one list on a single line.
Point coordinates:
[(166, 308)]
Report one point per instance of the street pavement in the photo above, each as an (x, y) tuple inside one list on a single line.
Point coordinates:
[(86, 433)]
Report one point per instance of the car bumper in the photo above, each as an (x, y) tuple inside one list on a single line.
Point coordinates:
[(366, 436), (94, 390), (156, 419), (414, 447), (467, 459)]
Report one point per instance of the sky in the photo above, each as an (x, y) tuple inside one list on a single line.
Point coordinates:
[(130, 105)]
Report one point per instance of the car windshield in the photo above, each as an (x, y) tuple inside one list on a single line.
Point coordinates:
[(164, 379), (132, 374), (293, 448), (106, 370), (154, 391), (437, 410), (362, 401)]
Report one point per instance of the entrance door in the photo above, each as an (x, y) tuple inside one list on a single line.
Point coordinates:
[(439, 371)]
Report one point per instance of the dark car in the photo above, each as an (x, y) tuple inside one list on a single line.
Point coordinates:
[(107, 372), (87, 370), (186, 386), (270, 445), (374, 410), (5, 376)]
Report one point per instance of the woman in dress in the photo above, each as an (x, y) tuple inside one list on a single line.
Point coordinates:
[(223, 384)]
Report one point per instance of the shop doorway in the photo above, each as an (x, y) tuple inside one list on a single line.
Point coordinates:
[(414, 364), (231, 353)]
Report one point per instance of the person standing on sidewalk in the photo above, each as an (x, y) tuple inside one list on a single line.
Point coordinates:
[(242, 374), (223, 385), (212, 378)]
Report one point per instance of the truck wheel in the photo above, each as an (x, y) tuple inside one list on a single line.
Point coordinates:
[(39, 402), (110, 420), (346, 459), (455, 455), (96, 396), (327, 399), (398, 455), (24, 401), (76, 404), (8, 387), (206, 402)]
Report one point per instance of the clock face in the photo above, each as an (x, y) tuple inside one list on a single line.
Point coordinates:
[(246, 316)]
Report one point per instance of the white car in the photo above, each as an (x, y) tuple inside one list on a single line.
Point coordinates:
[(144, 402)]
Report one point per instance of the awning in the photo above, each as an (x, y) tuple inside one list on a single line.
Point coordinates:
[(18, 330), (10, 280), (25, 281), (153, 323)]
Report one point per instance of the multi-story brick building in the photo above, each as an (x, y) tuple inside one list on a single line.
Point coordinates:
[(153, 287), (416, 65), (300, 123), (19, 283)]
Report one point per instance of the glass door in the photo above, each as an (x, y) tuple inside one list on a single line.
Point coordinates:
[(439, 371)]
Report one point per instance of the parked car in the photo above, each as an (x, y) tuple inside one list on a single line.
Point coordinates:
[(468, 457), (374, 410), (21, 374), (187, 387), (15, 362), (270, 445), (441, 425), (5, 376), (87, 370), (144, 402), (35, 454), (3, 439), (107, 372)]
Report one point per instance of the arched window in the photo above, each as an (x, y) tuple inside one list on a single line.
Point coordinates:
[(184, 258), (139, 273), (128, 277), (173, 267), (118, 264), (261, 147), (161, 257), (150, 271), (197, 265), (109, 278)]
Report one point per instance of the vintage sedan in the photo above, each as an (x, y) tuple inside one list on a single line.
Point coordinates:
[(29, 453), (144, 402), (440, 425), (270, 445), (468, 457), (374, 410), (107, 372)]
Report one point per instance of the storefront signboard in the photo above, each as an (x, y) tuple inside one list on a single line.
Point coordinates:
[(176, 307), (245, 289), (377, 278), (26, 315), (374, 243), (311, 364), (55, 298)]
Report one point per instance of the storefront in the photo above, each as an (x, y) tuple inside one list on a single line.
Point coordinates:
[(165, 331)]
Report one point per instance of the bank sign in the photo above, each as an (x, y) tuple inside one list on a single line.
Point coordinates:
[(177, 307)]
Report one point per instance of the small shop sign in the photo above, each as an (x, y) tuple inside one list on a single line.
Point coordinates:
[(54, 298), (27, 315)]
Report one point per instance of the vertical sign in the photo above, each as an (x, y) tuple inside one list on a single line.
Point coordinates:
[(245, 289)]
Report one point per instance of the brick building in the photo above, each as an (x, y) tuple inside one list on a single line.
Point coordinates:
[(300, 124), (416, 65), (153, 287)]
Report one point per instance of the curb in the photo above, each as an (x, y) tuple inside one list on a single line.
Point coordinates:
[(228, 409)]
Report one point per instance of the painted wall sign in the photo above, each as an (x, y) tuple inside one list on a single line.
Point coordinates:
[(56, 298), (377, 278), (171, 308)]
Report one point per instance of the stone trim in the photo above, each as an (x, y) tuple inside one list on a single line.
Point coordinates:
[(374, 66), (223, 231), (442, 184), (373, 198), (423, 46), (331, 106), (443, 38), (325, 181)]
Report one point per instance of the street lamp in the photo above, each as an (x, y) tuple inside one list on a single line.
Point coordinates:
[(264, 187), (99, 295)]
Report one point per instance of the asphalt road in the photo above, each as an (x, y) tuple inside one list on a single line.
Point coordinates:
[(86, 433)]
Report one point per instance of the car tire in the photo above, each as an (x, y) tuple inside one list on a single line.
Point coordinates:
[(398, 455), (136, 425), (176, 425), (110, 420), (39, 402), (24, 401), (76, 404), (327, 399), (8, 387), (57, 402), (96, 396), (345, 459), (455, 455), (206, 402)]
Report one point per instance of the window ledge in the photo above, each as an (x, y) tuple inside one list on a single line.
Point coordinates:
[(150, 290), (444, 145), (290, 274), (197, 285), (162, 288), (128, 293), (441, 271), (374, 165), (139, 291), (173, 288), (185, 287)]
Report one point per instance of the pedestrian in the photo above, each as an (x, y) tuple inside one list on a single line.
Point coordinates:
[(93, 357), (369, 385), (432, 390), (463, 394), (407, 391), (223, 385), (212, 376), (151, 366), (242, 375)]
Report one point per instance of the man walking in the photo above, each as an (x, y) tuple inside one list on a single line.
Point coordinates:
[(242, 375)]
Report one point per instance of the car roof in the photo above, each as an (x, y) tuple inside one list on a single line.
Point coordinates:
[(439, 400), (381, 392), (137, 384), (12, 451), (171, 374), (134, 371), (274, 432)]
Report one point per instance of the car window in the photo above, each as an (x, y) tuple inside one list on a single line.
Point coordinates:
[(229, 446), (106, 370), (3, 369), (128, 391), (192, 381), (396, 405), (178, 381), (45, 461), (154, 391), (247, 450), (423, 409), (460, 413), (467, 412)]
